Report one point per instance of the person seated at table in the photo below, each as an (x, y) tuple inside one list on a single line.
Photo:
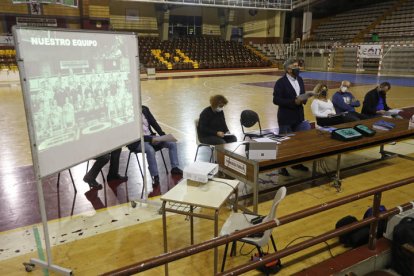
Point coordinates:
[(345, 102), (323, 109), (212, 127), (149, 122), (375, 101)]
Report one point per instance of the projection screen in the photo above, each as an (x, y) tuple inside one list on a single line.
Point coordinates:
[(81, 93)]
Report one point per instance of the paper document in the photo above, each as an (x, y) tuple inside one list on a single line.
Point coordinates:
[(305, 96), (164, 138), (265, 140), (392, 112), (228, 134)]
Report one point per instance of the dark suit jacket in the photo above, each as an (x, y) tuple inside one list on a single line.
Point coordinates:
[(371, 99), (153, 124), (289, 113)]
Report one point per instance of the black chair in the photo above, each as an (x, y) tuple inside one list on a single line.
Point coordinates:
[(199, 144), (133, 150), (248, 119)]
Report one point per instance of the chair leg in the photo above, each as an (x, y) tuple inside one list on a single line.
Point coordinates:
[(73, 182), (127, 165), (104, 187), (224, 257), (212, 155), (233, 249), (273, 242), (195, 158), (139, 166), (163, 160)]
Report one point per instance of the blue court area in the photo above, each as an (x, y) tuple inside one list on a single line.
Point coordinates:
[(358, 78)]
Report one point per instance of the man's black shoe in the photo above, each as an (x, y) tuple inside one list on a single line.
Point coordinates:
[(116, 177), (300, 167), (93, 184), (155, 180), (176, 170), (284, 172)]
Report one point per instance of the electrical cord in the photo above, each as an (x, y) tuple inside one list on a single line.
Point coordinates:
[(302, 237)]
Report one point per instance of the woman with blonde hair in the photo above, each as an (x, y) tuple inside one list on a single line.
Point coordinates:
[(323, 109), (212, 127)]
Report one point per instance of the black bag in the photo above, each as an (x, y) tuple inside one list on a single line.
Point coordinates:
[(402, 260), (354, 238), (345, 239)]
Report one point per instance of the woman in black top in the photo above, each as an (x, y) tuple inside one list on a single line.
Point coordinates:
[(212, 127)]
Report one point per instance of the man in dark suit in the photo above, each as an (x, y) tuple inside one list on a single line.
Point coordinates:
[(375, 101), (290, 114)]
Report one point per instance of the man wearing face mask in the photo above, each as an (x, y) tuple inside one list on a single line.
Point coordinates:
[(212, 127), (290, 113), (345, 102), (375, 101)]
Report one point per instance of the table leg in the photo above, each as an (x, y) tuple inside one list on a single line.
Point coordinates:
[(337, 180), (164, 231), (255, 189), (215, 235), (191, 225)]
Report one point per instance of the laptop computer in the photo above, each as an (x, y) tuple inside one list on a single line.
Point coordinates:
[(261, 150)]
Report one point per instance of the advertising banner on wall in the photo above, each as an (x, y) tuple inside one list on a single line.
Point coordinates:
[(369, 51)]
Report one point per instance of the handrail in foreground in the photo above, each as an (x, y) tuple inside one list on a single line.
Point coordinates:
[(215, 242)]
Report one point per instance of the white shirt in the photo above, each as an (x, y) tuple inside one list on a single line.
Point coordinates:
[(322, 109), (295, 84), (145, 125)]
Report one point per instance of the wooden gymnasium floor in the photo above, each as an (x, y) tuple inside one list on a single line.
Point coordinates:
[(94, 232)]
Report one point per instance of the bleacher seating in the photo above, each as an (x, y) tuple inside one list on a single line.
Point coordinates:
[(345, 26), (399, 24), (200, 52)]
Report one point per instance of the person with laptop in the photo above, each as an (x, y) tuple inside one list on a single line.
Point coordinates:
[(375, 101), (345, 102), (288, 95), (323, 109), (212, 128)]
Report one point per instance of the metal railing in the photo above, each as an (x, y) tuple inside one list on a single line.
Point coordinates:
[(207, 245)]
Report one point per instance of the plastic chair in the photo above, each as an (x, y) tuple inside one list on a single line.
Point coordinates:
[(199, 144), (249, 118), (240, 221)]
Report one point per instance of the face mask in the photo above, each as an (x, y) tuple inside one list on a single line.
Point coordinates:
[(219, 109), (295, 71), (344, 88), (324, 93)]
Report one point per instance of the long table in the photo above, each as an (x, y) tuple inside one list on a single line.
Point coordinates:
[(303, 146)]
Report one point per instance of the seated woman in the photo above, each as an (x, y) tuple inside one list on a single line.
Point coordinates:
[(323, 109), (212, 127)]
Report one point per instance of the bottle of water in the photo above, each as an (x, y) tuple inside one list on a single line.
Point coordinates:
[(411, 122)]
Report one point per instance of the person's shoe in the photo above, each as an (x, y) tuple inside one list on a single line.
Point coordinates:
[(300, 167), (176, 170), (284, 172), (93, 184), (116, 177), (155, 180)]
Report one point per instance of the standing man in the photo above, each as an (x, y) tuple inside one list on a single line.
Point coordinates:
[(345, 102), (290, 114), (375, 101)]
